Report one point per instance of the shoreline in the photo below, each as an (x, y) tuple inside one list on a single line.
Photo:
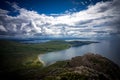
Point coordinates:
[(43, 63)]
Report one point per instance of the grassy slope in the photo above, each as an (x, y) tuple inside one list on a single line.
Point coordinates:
[(21, 60)]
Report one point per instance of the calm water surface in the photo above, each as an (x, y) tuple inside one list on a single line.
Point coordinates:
[(106, 48)]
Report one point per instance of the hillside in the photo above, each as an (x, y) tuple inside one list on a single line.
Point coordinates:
[(20, 60)]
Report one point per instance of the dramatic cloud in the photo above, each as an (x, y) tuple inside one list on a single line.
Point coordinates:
[(101, 19)]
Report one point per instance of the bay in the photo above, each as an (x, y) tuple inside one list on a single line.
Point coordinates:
[(109, 48)]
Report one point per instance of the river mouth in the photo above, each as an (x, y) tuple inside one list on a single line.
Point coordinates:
[(105, 48)]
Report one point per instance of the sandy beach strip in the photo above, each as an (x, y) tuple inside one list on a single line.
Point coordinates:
[(41, 60)]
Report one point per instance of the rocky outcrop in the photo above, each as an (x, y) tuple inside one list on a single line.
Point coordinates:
[(96, 63), (87, 67)]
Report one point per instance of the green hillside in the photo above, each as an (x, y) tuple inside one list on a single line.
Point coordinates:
[(20, 60)]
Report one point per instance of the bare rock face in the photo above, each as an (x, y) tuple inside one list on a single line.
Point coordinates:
[(87, 67)]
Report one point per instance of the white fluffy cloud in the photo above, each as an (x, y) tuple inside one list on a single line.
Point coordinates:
[(101, 19)]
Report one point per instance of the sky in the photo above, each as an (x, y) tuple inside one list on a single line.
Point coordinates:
[(59, 18)]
